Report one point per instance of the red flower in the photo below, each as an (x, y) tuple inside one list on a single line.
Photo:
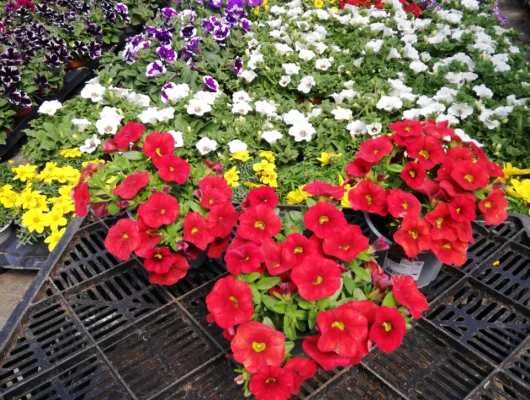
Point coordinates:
[(230, 302), (318, 279), (443, 226), (373, 150), (368, 197), (388, 329), (246, 258), (358, 168), (221, 219), (218, 247), (492, 169), (215, 167), (317, 242), (177, 271), (346, 244), (159, 260), (81, 196), (272, 254), (402, 204), (406, 292), (122, 239), (148, 239), (494, 207), (130, 133), (414, 235), (272, 383), (462, 208), (427, 150), (325, 190), (366, 307), (160, 209), (173, 169), (257, 345), (109, 146), (263, 195), (469, 175), (342, 330), (407, 128), (196, 230), (157, 145), (324, 219), (450, 252), (413, 174), (297, 249), (438, 130), (414, 9), (258, 223), (327, 360), (460, 153), (131, 185), (302, 369), (214, 190)]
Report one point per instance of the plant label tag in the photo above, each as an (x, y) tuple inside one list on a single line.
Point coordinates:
[(403, 267)]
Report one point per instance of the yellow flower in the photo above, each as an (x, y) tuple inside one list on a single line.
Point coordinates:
[(62, 204), (111, 180), (319, 3), (34, 220), (267, 155), (8, 197), (264, 5), (96, 161), (54, 238), (263, 167), (509, 171), (326, 158), (66, 190), (71, 153), (55, 219), (33, 200), (232, 177), (253, 185), (48, 173), (25, 172), (297, 196), (520, 189), (70, 174), (269, 178), (241, 155)]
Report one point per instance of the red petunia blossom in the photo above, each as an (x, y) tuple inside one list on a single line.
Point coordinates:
[(318, 279), (131, 185), (465, 232), (368, 197), (493, 170), (160, 209), (81, 196), (373, 150), (122, 239), (432, 190), (413, 174), (302, 369), (272, 383), (177, 271), (438, 130), (366, 307), (407, 128), (157, 145), (388, 330), (324, 219), (317, 242), (246, 258), (230, 302), (414, 235), (262, 195), (211, 197), (462, 208), (346, 244), (450, 252), (460, 153), (297, 249), (159, 260), (324, 190), (196, 230), (218, 247), (406, 293), (342, 330), (427, 150), (257, 345), (469, 175), (451, 188), (258, 223), (358, 168), (130, 133), (272, 254), (402, 204), (494, 207), (109, 146), (218, 183), (443, 225), (149, 239), (414, 9), (173, 169), (221, 219), (327, 360)]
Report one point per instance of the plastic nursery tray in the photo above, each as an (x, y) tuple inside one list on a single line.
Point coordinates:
[(91, 327)]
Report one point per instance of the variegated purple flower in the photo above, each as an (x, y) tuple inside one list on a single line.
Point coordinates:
[(135, 40), (168, 12), (187, 16), (216, 3), (9, 75), (122, 8), (130, 53), (209, 24), (193, 44), (166, 53), (155, 69), (164, 96), (188, 31), (253, 3), (9, 8), (237, 66), (52, 61), (235, 5), (210, 83), (246, 25), (163, 36), (221, 32), (41, 82), (94, 50)]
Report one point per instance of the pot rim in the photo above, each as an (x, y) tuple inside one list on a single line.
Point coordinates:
[(374, 229)]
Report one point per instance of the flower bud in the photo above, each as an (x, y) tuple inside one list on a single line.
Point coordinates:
[(109, 146)]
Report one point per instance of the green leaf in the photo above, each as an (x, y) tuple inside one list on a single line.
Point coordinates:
[(269, 301), (256, 295), (279, 308), (358, 294), (288, 328), (312, 319), (306, 305), (300, 314), (133, 155), (268, 321), (252, 277), (361, 273), (267, 283), (389, 300), (322, 303), (397, 168), (349, 284), (113, 208), (289, 346)]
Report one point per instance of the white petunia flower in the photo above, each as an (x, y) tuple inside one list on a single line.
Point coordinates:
[(291, 68), (140, 100), (374, 128), (487, 117), (149, 116), (165, 115), (314, 113), (306, 84), (306, 55), (302, 131), (374, 45), (94, 92), (294, 117), (90, 145), (271, 136), (206, 97), (198, 107), (283, 49), (285, 80), (178, 138), (446, 94), (466, 138), (460, 110), (356, 128), (267, 108), (418, 66), (236, 145), (107, 126), (342, 114), (389, 103), (249, 76), (50, 107), (482, 91), (241, 97), (177, 92), (242, 108), (81, 124), (323, 64), (206, 145)]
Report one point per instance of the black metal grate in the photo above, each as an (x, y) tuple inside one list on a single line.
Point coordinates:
[(445, 280), (196, 277), (519, 364), (502, 387)]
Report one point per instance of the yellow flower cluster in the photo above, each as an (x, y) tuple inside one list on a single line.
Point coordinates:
[(517, 188), (71, 153), (297, 196), (264, 6), (320, 3), (232, 177), (266, 170), (326, 158), (39, 212)]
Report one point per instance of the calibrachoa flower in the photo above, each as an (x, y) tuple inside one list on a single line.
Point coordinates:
[(130, 186), (346, 244), (388, 329), (160, 209), (414, 235), (369, 197), (159, 260), (246, 258), (123, 238), (272, 383), (324, 220), (296, 250), (406, 293), (196, 230), (258, 223), (317, 279)]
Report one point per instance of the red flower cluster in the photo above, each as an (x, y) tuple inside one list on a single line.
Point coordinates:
[(437, 170), (410, 7)]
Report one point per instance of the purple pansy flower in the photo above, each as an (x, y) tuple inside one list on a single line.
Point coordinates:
[(210, 83), (155, 69), (188, 31), (166, 53)]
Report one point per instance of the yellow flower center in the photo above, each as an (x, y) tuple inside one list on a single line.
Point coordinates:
[(323, 219), (424, 154), (414, 234), (233, 299), (405, 205), (446, 246), (194, 230), (487, 204), (162, 212), (469, 178), (125, 236), (259, 225), (439, 222), (210, 201), (258, 347), (298, 249), (407, 129), (338, 324), (158, 153), (171, 169), (458, 210), (318, 281), (368, 199), (158, 256), (412, 174), (270, 380), (387, 326)]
